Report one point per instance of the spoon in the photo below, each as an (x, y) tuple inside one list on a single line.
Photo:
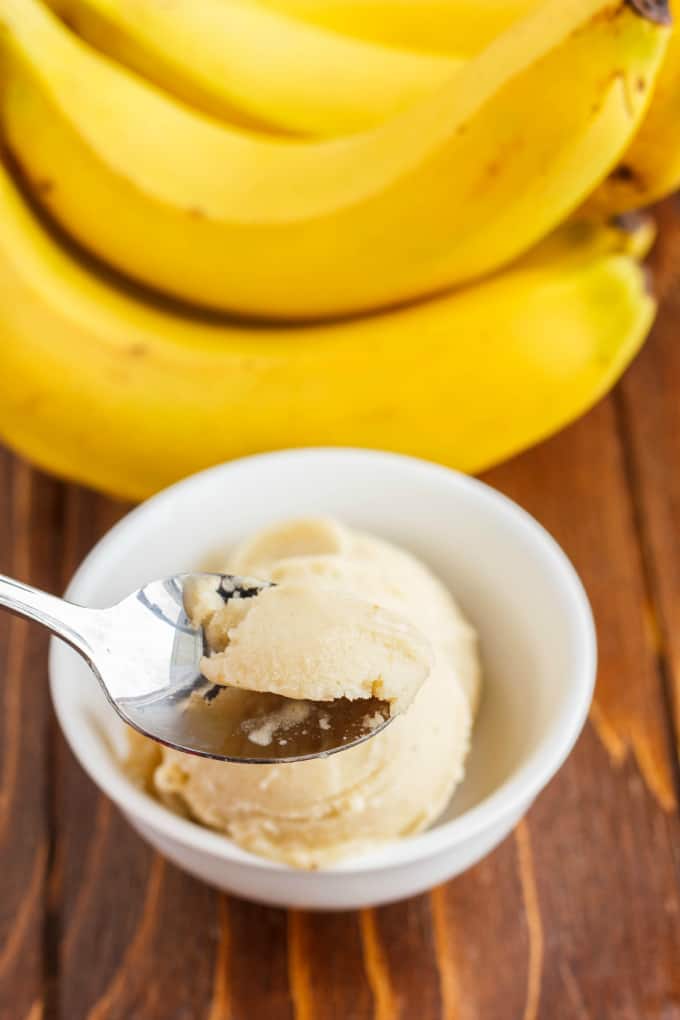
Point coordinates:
[(146, 654)]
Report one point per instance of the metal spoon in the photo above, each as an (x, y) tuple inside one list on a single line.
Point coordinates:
[(145, 652)]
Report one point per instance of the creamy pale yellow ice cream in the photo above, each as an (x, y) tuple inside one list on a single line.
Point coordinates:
[(303, 640), (311, 813)]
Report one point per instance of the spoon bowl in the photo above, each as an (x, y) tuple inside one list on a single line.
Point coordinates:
[(146, 654)]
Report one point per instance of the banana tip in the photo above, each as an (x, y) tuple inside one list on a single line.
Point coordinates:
[(657, 11)]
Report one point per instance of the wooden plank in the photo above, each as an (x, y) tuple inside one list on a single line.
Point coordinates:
[(650, 414), (29, 518), (262, 978), (400, 960), (486, 953), (328, 978)]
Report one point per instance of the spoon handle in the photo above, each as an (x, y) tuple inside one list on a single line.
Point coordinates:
[(63, 618)]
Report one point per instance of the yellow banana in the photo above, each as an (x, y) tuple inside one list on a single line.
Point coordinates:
[(650, 168), (453, 187), (256, 67), (434, 26), (108, 389)]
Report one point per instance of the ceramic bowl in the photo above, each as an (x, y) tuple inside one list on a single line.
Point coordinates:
[(510, 577)]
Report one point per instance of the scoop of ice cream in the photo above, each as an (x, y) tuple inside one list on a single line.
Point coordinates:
[(312, 813), (303, 640)]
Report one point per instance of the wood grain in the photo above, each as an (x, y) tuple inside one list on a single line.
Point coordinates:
[(261, 981), (320, 946), (577, 915), (483, 943)]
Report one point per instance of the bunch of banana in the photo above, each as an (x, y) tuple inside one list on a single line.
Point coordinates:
[(105, 387), (451, 188), (292, 160)]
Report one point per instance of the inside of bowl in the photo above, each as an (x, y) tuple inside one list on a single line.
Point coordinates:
[(510, 579)]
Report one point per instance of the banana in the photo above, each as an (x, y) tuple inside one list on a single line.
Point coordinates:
[(452, 188), (650, 169), (109, 389), (256, 67), (432, 26)]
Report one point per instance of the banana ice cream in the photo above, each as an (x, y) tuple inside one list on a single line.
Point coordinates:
[(301, 640), (351, 616)]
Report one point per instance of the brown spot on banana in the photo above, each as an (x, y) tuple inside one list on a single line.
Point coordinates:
[(138, 350), (43, 186), (657, 11)]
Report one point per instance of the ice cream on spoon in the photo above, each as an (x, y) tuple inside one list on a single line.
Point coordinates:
[(313, 646)]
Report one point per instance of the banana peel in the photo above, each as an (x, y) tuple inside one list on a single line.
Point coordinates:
[(427, 26)]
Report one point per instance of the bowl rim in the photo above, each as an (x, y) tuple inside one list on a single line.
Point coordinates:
[(513, 796)]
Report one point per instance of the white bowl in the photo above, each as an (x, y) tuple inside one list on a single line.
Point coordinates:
[(511, 578)]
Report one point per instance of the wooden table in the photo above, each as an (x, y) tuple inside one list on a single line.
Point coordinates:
[(577, 915)]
